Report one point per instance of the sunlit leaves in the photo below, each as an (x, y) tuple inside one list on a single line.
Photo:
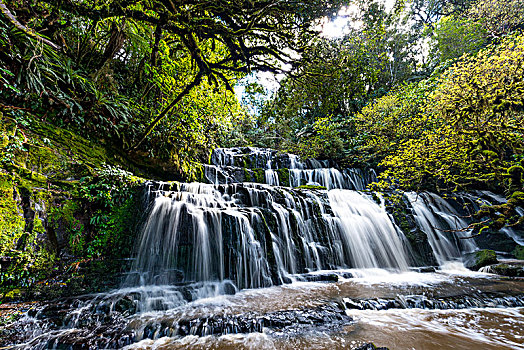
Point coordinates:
[(462, 131)]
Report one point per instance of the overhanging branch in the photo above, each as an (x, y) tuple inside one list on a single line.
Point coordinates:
[(28, 31)]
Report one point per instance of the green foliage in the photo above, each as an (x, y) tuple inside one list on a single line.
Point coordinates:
[(151, 80), (498, 17), (312, 113), (112, 197), (322, 139), (454, 37), (463, 131)]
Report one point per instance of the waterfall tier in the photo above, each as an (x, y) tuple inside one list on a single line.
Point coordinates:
[(258, 235), (261, 165)]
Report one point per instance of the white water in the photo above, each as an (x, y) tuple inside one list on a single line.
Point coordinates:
[(368, 232), (309, 172), (442, 225), (213, 233)]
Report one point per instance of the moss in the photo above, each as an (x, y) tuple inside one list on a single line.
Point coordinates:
[(14, 294), (311, 187), (259, 175), (516, 170), (481, 258), (246, 161), (519, 252), (515, 178), (283, 177), (247, 175), (12, 222), (517, 198), (76, 146), (486, 257), (508, 270)]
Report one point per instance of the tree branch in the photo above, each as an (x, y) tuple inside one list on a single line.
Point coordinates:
[(163, 114), (28, 31)]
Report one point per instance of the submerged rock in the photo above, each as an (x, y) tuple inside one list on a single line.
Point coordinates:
[(445, 303), (370, 346)]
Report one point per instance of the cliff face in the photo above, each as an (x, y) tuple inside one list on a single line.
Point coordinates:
[(64, 216)]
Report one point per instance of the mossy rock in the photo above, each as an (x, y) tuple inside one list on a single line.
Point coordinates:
[(519, 252), (283, 177), (12, 221), (259, 175), (508, 270), (481, 258), (311, 187)]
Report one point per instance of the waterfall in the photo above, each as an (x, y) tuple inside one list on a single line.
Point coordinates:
[(229, 165), (442, 225), (497, 199), (256, 235), (368, 232)]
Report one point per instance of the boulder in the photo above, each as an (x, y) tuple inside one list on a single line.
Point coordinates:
[(481, 258)]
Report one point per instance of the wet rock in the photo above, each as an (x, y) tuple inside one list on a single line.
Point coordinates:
[(424, 269), (423, 302), (346, 275), (370, 346), (126, 305), (318, 277), (229, 288), (481, 258), (508, 270), (328, 317)]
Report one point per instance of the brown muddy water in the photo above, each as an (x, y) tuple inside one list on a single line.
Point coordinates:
[(468, 328), (449, 309)]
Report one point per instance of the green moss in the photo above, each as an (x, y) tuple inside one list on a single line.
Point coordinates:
[(246, 161), (283, 177), (259, 175), (311, 187), (508, 270), (75, 145), (12, 222), (247, 175), (519, 252), (14, 294), (516, 170), (482, 258)]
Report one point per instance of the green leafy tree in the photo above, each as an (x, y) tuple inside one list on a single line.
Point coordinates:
[(455, 36)]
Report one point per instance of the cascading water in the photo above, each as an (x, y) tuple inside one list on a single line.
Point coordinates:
[(230, 165), (258, 235), (442, 225), (368, 232)]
